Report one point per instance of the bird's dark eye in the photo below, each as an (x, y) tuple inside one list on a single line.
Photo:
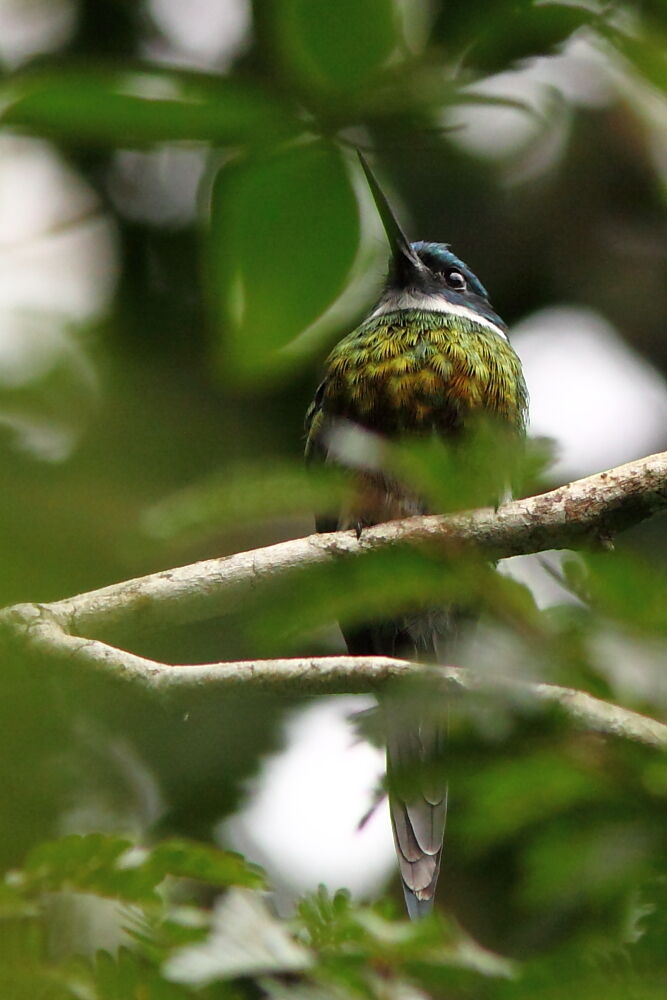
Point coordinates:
[(455, 280)]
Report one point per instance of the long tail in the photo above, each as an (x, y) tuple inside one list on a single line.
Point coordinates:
[(418, 815), (415, 735)]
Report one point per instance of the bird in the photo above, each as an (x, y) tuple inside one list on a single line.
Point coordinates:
[(429, 358)]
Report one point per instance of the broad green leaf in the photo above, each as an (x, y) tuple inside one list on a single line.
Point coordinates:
[(583, 861), (509, 30), (247, 493), (480, 470), (284, 234), (13, 903), (335, 47), (645, 51), (378, 586), (506, 796), (138, 106), (623, 587)]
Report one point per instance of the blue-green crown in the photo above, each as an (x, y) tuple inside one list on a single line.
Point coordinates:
[(439, 258), (433, 271)]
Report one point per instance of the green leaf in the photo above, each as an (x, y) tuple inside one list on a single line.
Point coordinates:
[(335, 47), (645, 52), (367, 588), (188, 859), (285, 232), (126, 976), (113, 867), (13, 903), (326, 918), (539, 786), (479, 470), (625, 588), (509, 31), (377, 586), (247, 493), (572, 862), (136, 106), (367, 938), (89, 863)]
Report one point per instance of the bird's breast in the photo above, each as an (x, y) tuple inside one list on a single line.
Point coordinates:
[(401, 374)]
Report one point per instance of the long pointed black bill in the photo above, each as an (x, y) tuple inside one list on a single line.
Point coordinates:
[(398, 241)]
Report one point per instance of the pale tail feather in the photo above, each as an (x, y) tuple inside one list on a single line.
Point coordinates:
[(418, 819), (415, 737)]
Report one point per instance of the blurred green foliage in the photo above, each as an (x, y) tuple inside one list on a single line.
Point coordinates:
[(163, 423), (262, 205), (320, 52), (137, 106), (173, 947)]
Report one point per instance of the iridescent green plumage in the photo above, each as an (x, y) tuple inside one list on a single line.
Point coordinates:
[(410, 372)]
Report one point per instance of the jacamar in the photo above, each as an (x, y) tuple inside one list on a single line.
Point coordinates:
[(431, 356)]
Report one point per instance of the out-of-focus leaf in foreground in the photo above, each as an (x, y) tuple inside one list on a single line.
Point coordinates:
[(509, 31), (126, 975), (487, 467), (506, 796), (284, 235), (644, 50), (137, 106), (377, 586), (624, 588), (111, 866), (335, 47), (429, 953), (248, 493), (332, 949), (245, 940), (445, 477)]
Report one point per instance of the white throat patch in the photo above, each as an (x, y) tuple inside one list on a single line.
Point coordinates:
[(394, 302)]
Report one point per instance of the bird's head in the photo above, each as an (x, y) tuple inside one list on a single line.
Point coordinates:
[(427, 276)]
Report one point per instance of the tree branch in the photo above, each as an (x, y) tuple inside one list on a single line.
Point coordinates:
[(584, 511), (320, 675)]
